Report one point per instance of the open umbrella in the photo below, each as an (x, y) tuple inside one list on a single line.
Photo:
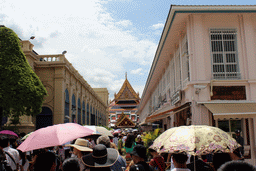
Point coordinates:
[(9, 134), (98, 131), (195, 140), (53, 136), (26, 136)]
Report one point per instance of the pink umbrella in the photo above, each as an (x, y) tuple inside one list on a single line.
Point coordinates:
[(9, 134), (53, 136)]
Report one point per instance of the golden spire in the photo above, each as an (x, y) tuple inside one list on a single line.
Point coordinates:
[(126, 75)]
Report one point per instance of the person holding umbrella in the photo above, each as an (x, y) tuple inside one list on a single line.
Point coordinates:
[(179, 161), (157, 161)]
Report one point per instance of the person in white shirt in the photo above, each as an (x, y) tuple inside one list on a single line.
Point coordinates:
[(115, 139), (179, 161), (24, 163), (12, 155)]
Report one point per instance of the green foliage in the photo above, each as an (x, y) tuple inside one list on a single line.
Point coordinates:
[(150, 136), (21, 91)]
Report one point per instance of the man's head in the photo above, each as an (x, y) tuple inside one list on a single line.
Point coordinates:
[(104, 140), (139, 153), (237, 165), (180, 158), (45, 161), (237, 132), (71, 164), (4, 141)]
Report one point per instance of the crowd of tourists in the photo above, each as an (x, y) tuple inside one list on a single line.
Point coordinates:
[(124, 152)]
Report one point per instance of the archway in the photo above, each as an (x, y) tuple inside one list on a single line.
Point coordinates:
[(44, 119)]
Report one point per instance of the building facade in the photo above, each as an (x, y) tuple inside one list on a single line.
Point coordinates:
[(204, 73), (70, 98), (122, 110)]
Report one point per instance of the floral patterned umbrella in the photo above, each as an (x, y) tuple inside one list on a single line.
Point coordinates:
[(195, 140)]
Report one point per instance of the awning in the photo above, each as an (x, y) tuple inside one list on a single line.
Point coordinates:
[(231, 109), (143, 123), (165, 114)]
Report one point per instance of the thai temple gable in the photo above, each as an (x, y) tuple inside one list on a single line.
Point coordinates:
[(126, 92), (124, 121)]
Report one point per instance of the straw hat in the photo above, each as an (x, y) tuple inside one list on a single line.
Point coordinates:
[(81, 145)]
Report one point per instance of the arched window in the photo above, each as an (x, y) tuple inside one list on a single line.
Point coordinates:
[(92, 116), (79, 112), (100, 119), (88, 114), (44, 119), (66, 110), (96, 117), (83, 114), (73, 108)]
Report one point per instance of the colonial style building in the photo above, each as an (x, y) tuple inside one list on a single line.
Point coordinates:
[(203, 72), (70, 98), (122, 110)]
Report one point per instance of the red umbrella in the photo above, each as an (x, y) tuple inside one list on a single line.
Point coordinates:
[(9, 134), (54, 136)]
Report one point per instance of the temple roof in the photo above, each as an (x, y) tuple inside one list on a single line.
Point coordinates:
[(126, 92), (124, 121)]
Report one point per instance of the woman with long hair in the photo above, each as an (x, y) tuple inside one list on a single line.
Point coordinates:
[(129, 144)]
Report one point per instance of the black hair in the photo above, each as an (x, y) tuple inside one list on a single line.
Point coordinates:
[(71, 164), (180, 157), (100, 169), (237, 165), (4, 141), (151, 150), (129, 141), (44, 161), (219, 159)]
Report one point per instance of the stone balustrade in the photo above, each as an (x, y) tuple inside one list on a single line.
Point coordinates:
[(51, 58)]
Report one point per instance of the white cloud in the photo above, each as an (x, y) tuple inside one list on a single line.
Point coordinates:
[(157, 26), (97, 45), (124, 23), (139, 88), (136, 71)]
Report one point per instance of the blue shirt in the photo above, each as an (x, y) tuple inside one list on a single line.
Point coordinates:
[(117, 166)]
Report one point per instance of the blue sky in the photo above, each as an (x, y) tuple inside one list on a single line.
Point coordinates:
[(103, 38)]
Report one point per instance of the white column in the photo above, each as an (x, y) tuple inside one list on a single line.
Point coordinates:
[(252, 140)]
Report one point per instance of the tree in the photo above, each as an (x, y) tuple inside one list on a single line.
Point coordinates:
[(21, 91)]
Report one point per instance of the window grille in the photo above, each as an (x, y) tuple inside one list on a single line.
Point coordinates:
[(172, 88), (224, 54), (177, 71), (185, 62)]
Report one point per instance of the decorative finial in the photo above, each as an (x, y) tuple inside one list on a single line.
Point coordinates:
[(126, 75)]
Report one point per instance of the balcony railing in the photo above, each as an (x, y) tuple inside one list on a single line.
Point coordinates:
[(51, 58)]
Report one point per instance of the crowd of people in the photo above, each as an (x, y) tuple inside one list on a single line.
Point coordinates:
[(124, 152)]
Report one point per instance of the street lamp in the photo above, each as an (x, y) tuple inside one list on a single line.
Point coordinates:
[(32, 37)]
